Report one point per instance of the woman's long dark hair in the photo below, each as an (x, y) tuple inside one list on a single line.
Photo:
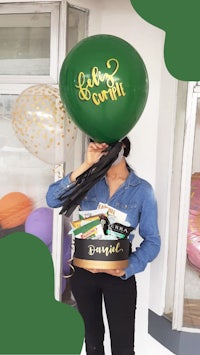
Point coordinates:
[(127, 146)]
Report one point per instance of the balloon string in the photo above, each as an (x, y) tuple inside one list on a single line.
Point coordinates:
[(71, 267)]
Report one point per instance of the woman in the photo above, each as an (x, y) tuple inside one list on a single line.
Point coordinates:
[(123, 190)]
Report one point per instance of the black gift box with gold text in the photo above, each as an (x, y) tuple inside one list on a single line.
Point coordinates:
[(102, 254)]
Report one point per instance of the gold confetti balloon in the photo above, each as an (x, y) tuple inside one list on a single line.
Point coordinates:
[(42, 124)]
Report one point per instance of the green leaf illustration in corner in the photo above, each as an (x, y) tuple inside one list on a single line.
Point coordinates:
[(32, 321), (180, 20)]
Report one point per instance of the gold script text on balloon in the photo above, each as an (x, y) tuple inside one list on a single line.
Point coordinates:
[(114, 89)]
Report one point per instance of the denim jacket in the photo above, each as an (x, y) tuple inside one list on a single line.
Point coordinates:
[(136, 198)]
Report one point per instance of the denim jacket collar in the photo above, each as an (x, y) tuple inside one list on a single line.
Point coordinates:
[(132, 179)]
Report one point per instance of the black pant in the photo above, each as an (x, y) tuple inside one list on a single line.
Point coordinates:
[(120, 304)]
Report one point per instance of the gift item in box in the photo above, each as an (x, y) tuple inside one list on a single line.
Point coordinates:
[(101, 254), (89, 230)]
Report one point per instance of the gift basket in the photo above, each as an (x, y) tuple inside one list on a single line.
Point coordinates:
[(101, 238)]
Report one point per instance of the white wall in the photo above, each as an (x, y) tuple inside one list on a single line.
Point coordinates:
[(152, 140)]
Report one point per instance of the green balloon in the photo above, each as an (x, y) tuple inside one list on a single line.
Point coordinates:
[(104, 87)]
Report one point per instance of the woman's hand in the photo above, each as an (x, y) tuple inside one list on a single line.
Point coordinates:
[(113, 272), (95, 152)]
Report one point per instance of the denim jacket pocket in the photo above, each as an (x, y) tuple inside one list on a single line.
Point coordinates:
[(132, 211)]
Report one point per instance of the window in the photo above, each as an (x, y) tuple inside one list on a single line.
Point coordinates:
[(29, 42), (183, 285)]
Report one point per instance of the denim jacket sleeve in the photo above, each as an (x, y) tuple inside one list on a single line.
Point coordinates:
[(148, 230), (56, 190)]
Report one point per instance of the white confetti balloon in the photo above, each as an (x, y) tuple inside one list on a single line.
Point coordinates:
[(42, 124)]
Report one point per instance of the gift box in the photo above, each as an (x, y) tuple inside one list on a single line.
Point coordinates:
[(101, 254), (100, 241)]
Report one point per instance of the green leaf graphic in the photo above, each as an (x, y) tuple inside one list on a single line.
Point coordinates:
[(32, 321), (180, 20)]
